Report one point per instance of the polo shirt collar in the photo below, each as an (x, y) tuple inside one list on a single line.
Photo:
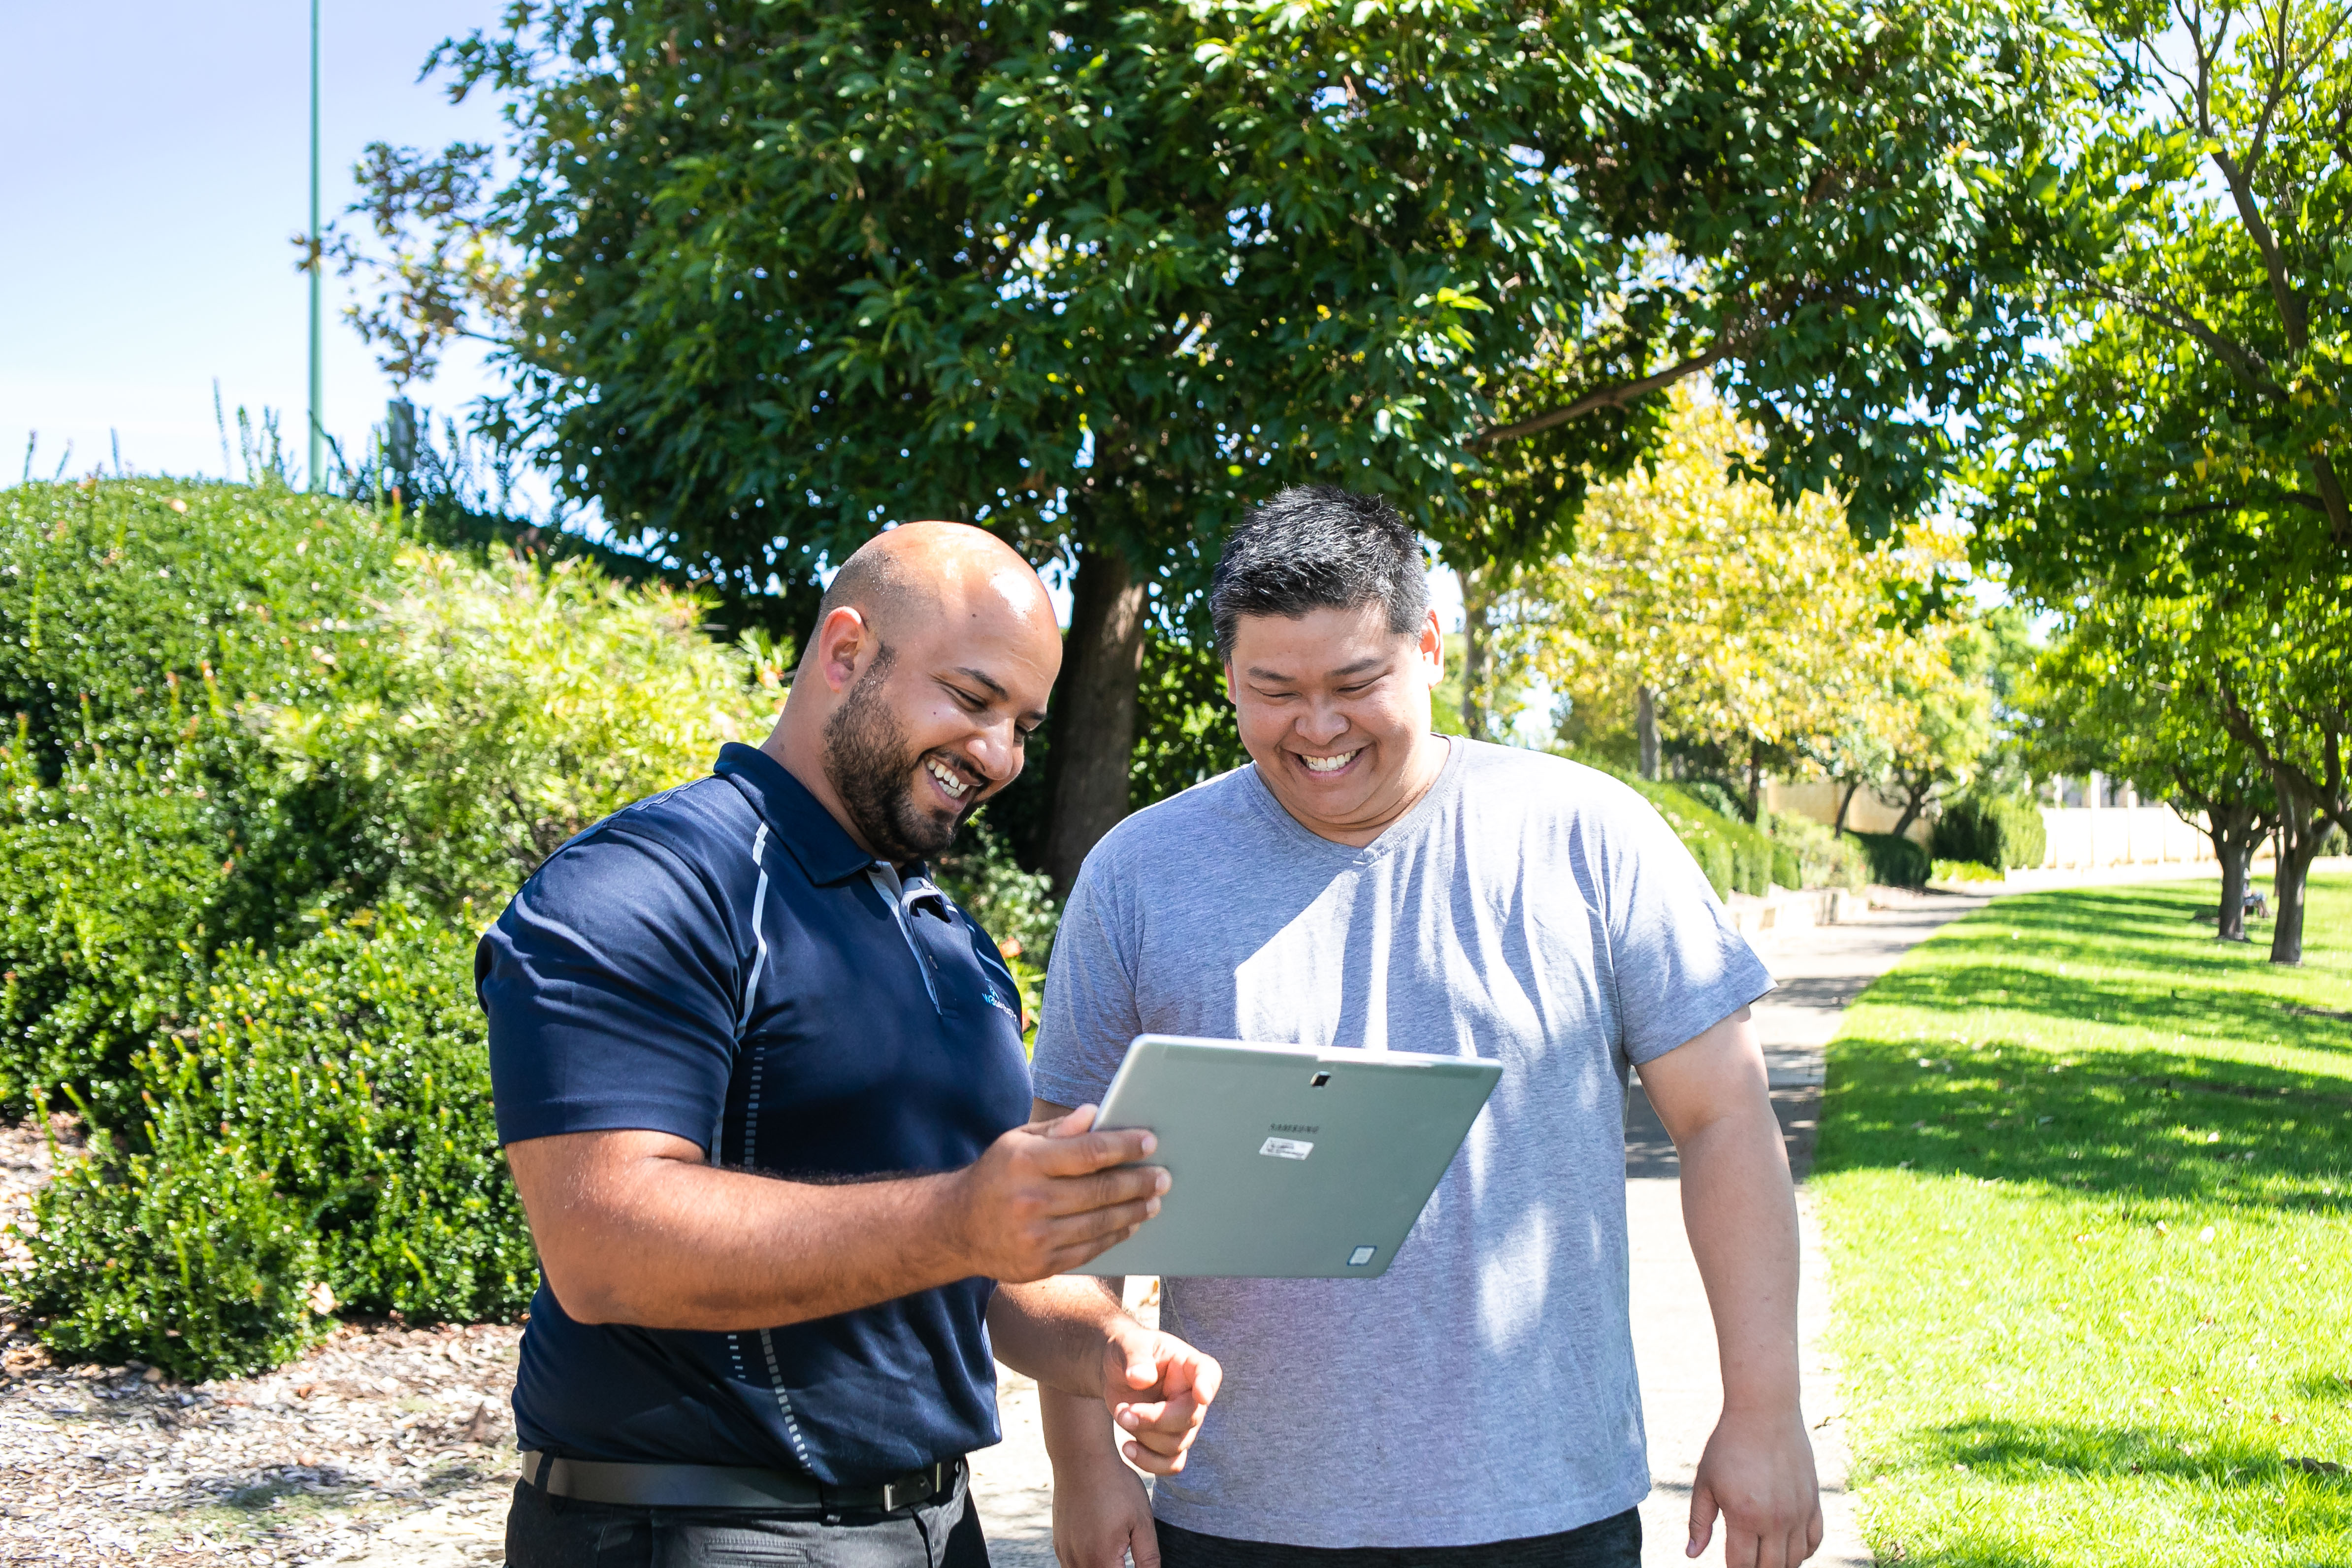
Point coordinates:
[(800, 824)]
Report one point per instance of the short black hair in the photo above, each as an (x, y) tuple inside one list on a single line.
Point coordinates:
[(1318, 547)]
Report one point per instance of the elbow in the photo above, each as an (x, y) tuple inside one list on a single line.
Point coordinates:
[(587, 1294)]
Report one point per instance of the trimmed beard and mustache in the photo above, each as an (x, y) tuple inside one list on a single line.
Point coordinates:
[(872, 766)]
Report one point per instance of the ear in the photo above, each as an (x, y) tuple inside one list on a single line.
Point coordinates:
[(1432, 648), (1233, 690), (845, 647)]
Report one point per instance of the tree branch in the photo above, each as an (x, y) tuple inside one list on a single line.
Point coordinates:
[(1614, 396), (2241, 359)]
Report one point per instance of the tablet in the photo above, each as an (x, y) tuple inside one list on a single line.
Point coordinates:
[(1288, 1162)]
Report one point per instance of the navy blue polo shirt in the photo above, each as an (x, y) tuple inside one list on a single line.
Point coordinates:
[(721, 961)]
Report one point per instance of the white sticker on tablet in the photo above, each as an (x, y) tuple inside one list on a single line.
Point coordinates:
[(1285, 1147), (1360, 1256)]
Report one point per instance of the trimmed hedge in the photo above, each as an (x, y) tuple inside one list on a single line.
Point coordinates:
[(1790, 852), (1734, 855), (2000, 832), (1895, 861)]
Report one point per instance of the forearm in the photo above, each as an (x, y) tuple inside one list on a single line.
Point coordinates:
[(1741, 1216), (1081, 1439), (682, 1245), (1055, 1331)]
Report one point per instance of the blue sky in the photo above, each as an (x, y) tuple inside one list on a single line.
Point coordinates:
[(155, 168)]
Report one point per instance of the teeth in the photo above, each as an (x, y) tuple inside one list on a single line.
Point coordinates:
[(1330, 764), (947, 779)]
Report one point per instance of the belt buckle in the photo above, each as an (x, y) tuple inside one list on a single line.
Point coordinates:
[(905, 1491)]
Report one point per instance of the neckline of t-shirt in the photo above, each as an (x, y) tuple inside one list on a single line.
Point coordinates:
[(1431, 801)]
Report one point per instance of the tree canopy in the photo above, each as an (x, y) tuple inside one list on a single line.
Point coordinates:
[(2195, 413), (2173, 472), (1100, 276)]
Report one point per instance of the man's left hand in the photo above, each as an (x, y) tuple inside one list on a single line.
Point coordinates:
[(1759, 1471), (1157, 1389)]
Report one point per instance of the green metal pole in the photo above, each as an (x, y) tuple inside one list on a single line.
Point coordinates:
[(318, 364)]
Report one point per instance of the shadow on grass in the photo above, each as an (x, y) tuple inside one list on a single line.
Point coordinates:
[(2327, 1385), (2153, 1124), (2035, 1452), (1979, 1074)]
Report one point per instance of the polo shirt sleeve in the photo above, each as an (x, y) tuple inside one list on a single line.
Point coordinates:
[(611, 986), (1679, 965), (1089, 1015)]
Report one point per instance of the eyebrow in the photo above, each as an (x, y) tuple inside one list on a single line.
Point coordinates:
[(1372, 662), (996, 688)]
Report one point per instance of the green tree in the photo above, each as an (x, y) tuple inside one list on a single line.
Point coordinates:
[(2199, 412), (1099, 276), (2096, 702), (2177, 462), (1759, 629)]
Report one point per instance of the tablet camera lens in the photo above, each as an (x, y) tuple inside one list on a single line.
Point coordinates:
[(1318, 1080)]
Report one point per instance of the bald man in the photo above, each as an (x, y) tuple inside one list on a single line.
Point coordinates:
[(761, 1088)]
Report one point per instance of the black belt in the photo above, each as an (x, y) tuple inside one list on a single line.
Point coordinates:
[(724, 1486)]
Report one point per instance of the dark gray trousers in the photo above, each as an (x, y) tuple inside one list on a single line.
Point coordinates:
[(544, 1531), (1612, 1543)]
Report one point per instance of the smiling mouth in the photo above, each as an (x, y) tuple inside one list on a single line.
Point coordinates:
[(955, 784), (1331, 765)]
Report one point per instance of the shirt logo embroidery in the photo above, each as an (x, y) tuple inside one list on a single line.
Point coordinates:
[(1001, 1005)]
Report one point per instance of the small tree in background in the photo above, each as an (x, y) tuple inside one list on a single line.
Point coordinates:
[(2098, 703), (2175, 469), (1760, 629)]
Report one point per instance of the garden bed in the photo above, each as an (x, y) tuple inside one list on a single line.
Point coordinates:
[(104, 1464)]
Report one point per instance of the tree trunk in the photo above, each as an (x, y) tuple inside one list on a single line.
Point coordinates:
[(1474, 660), (2235, 833), (1915, 801), (2301, 826), (1646, 729), (1756, 781), (1094, 710), (1845, 806)]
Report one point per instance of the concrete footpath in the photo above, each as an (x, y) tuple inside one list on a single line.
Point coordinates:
[(1821, 969)]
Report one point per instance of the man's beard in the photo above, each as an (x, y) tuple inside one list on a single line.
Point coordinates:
[(872, 768)]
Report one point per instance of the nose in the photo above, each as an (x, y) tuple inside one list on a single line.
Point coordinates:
[(996, 751), (1322, 724)]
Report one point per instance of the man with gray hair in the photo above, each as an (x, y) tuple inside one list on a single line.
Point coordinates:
[(1364, 882)]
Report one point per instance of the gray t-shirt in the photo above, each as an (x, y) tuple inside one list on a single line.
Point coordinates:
[(1529, 911)]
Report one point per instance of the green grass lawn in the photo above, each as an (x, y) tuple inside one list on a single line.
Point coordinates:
[(2087, 1184)]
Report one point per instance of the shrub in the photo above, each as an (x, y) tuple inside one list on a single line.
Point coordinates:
[(355, 1062), (1964, 871), (142, 822), (183, 1256), (105, 897), (1788, 867), (1996, 831), (1733, 856), (348, 1077), (1823, 858), (1894, 861), (262, 753), (517, 705)]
